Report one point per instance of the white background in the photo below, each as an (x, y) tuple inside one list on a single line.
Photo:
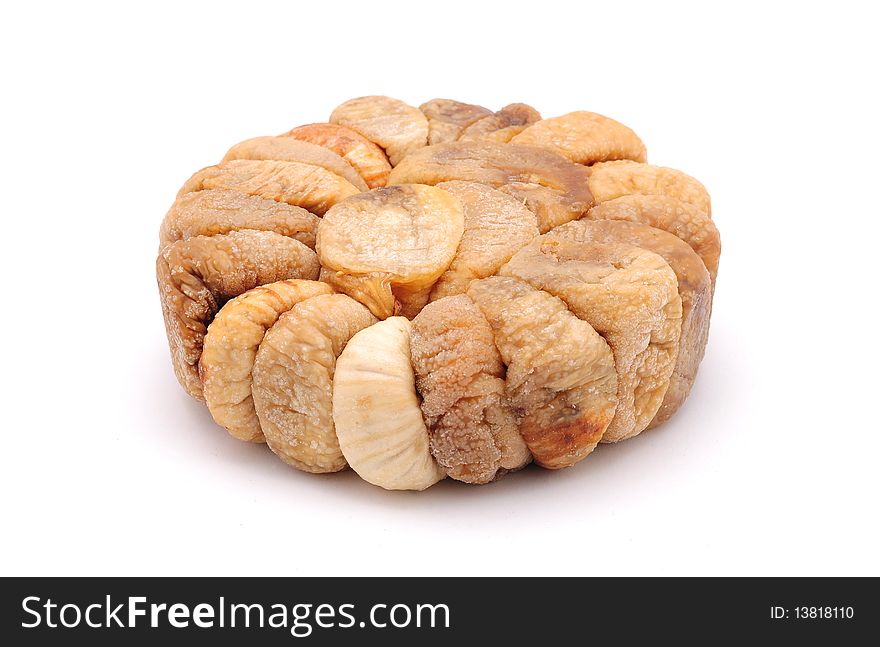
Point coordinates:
[(108, 468)]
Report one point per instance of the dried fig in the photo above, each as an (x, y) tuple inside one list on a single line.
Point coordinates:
[(503, 125), (197, 275), (219, 211), (694, 288), (560, 373), (630, 297), (610, 180), (376, 410), (387, 247), (585, 138), (555, 189), (460, 376), (289, 149), (447, 118), (293, 379), (364, 156), (496, 225), (392, 124), (688, 222), (230, 348), (303, 185)]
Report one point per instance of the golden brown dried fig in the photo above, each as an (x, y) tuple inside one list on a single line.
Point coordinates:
[(387, 247), (630, 297), (682, 219), (503, 125), (460, 376), (376, 410), (392, 124), (293, 379), (560, 372), (230, 348), (219, 211), (610, 180), (447, 118), (364, 156), (289, 149), (496, 226), (694, 288), (197, 275), (585, 138), (303, 185), (555, 189)]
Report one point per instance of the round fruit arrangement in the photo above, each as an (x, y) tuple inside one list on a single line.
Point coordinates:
[(438, 291)]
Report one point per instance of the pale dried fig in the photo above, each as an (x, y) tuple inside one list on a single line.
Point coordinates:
[(560, 373), (460, 376), (230, 348), (447, 118), (303, 185), (196, 276), (219, 211), (555, 189), (610, 180), (289, 149), (293, 379), (376, 410), (694, 288), (496, 225), (503, 125), (387, 247), (585, 138), (364, 156), (629, 296), (682, 219), (394, 125)]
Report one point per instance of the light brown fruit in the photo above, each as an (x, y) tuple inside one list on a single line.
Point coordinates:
[(230, 348), (555, 189), (219, 211), (694, 288), (682, 219), (364, 156), (289, 149), (496, 226), (460, 377), (293, 379), (303, 185), (447, 118), (585, 138), (630, 297), (610, 180), (560, 373), (376, 410), (387, 247), (394, 125), (503, 125), (196, 276)]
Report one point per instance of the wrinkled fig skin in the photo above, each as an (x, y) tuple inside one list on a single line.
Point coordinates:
[(448, 118), (503, 125), (694, 288), (220, 211), (496, 226), (555, 189), (197, 275), (394, 125), (630, 297), (303, 185), (560, 378), (363, 155), (585, 138), (293, 380), (230, 348), (682, 219), (289, 149), (460, 377), (610, 180), (386, 248)]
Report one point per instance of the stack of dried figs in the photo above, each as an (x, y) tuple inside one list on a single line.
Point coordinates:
[(438, 291)]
